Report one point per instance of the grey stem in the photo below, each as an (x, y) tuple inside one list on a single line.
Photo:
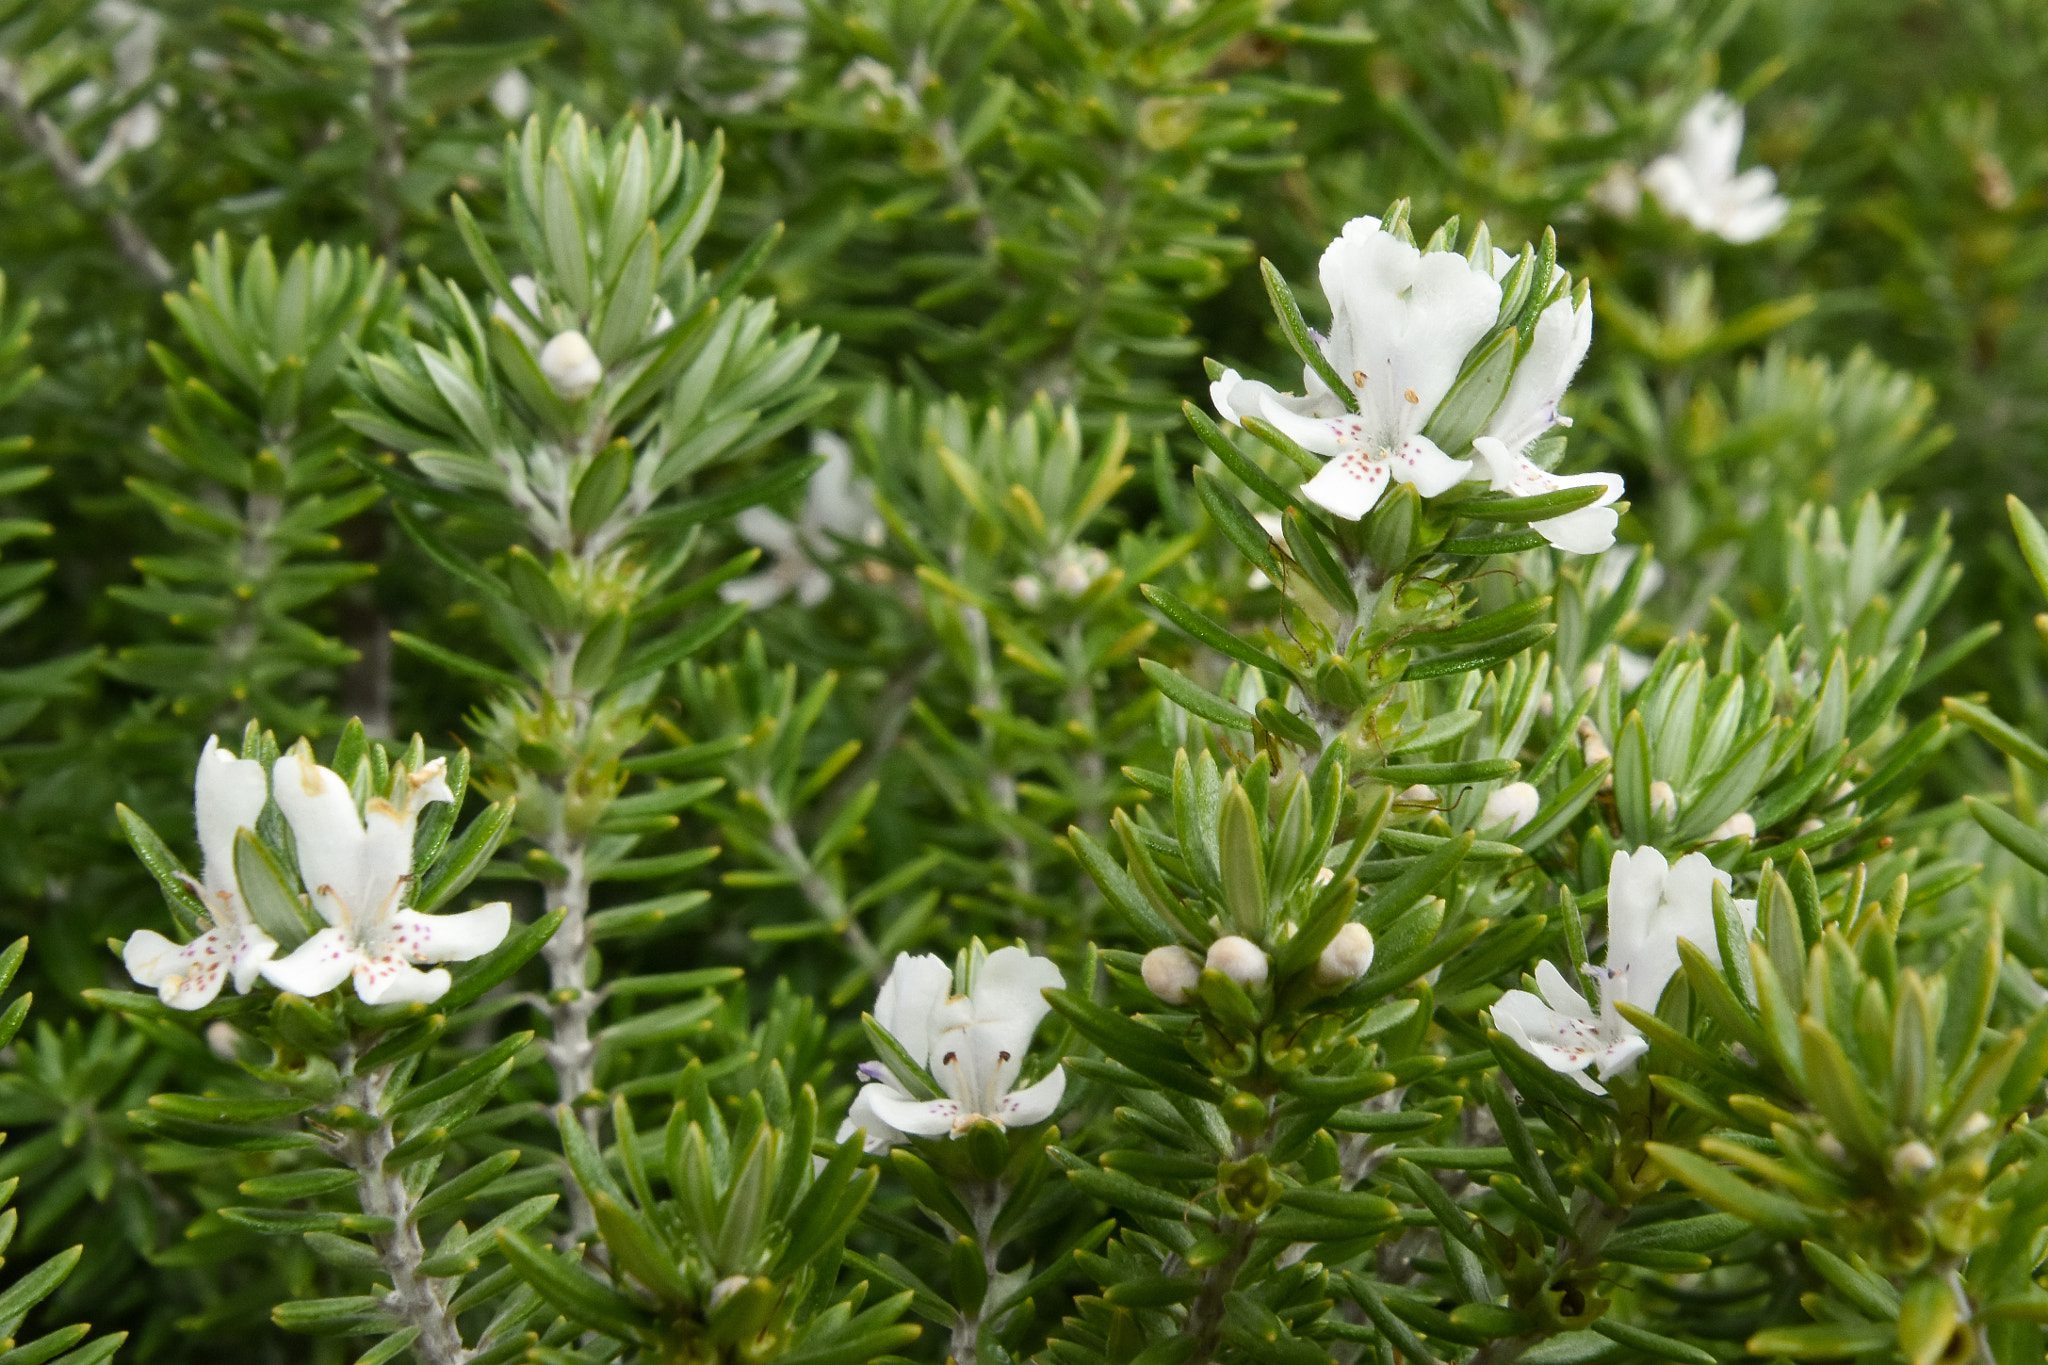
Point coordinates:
[(818, 891), (416, 1300), (388, 53), (47, 141), (985, 1202)]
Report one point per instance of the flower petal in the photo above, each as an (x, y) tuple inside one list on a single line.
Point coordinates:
[(1009, 985), (451, 938), (388, 979), (327, 831), (1035, 1103), (913, 1118), (253, 950), (1564, 1044), (771, 531), (756, 590), (1417, 461), (227, 795), (316, 966), (1348, 486), (1563, 335), (186, 976), (861, 1118), (915, 988)]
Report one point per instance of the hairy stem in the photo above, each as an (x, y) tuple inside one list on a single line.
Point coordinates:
[(416, 1300), (47, 141), (985, 1202)]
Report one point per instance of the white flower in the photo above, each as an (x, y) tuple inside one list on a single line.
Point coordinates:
[(1511, 807), (227, 796), (1239, 959), (973, 1044), (1562, 335), (571, 368), (838, 506), (1697, 179), (1347, 957), (1401, 323), (357, 867), (1171, 974), (1651, 905), (512, 95)]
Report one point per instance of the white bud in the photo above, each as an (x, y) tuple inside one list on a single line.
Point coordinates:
[(1171, 974), (222, 1038), (1078, 568), (1348, 956), (512, 95), (1240, 959), (1809, 826), (1663, 800), (1028, 590), (727, 1287), (1831, 1147), (1417, 795), (1591, 745), (1976, 1125), (1914, 1160), (572, 369), (1741, 825), (1512, 807), (1324, 876)]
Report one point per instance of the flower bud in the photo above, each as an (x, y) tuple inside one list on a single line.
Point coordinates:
[(1077, 570), (1171, 974), (1741, 825), (1348, 956), (1240, 959), (1914, 1160), (1663, 800), (1029, 591), (571, 368), (1809, 826), (1831, 1147), (1324, 876), (1512, 807), (727, 1287), (1417, 795)]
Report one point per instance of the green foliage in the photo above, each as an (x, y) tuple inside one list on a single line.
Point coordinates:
[(791, 447)]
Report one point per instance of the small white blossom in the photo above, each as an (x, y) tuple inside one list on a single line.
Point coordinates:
[(227, 795), (1651, 905), (1697, 179), (1171, 974), (1402, 321), (1347, 957), (838, 506), (357, 867), (571, 368), (1239, 959), (973, 1044), (1511, 807)]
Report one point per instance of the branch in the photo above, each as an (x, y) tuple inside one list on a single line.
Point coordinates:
[(388, 53), (47, 140), (415, 1299)]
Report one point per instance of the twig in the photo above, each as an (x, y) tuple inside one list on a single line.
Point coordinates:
[(47, 140), (388, 53), (415, 1299)]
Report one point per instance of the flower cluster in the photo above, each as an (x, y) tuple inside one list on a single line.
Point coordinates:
[(356, 862), (1652, 904), (1405, 324)]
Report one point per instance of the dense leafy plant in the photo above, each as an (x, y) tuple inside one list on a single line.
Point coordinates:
[(810, 749)]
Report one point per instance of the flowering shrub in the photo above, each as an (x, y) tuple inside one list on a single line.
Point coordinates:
[(810, 751)]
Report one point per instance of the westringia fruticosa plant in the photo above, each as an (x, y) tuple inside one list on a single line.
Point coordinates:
[(1089, 682)]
